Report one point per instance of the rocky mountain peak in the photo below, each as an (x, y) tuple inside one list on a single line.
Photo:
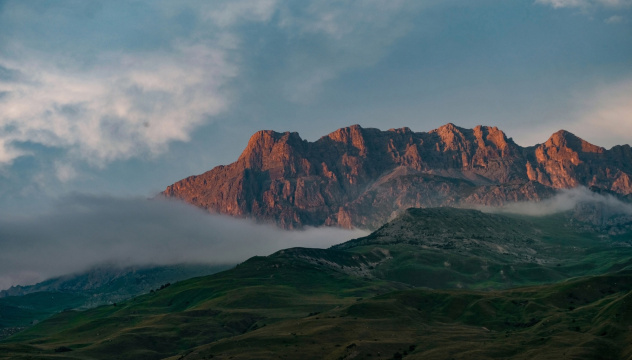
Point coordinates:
[(361, 177), (352, 135), (401, 131), (269, 149), (566, 161), (567, 140), (491, 136), (452, 137)]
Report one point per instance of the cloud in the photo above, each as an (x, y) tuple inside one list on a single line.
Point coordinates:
[(604, 116), (127, 105), (8, 153), (9, 75), (594, 7), (586, 4), (343, 36), (81, 231), (614, 19), (108, 81), (564, 3), (600, 116), (65, 172), (233, 12), (565, 200)]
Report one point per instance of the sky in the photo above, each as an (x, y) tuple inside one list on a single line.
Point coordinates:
[(118, 99), (126, 97)]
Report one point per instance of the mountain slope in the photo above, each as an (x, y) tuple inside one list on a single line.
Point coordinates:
[(22, 306), (461, 248), (586, 318), (281, 308), (356, 177), (369, 297), (113, 283)]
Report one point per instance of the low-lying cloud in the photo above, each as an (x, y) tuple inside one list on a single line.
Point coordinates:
[(82, 231), (566, 200)]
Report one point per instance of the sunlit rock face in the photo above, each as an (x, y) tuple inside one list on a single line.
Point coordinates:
[(357, 177)]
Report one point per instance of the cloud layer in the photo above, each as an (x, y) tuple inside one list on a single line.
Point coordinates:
[(83, 231), (566, 200)]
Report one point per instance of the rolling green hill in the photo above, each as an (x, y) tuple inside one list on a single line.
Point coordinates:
[(388, 295), (22, 306), (458, 248)]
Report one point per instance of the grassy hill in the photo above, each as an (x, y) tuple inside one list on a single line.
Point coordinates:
[(371, 298), (586, 318), (458, 248), (22, 306)]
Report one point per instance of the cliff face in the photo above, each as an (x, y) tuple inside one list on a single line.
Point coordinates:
[(362, 177)]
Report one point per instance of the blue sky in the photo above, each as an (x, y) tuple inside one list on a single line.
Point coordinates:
[(125, 97)]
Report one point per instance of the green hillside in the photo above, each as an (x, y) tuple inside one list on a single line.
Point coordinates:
[(458, 248), (22, 306), (388, 295)]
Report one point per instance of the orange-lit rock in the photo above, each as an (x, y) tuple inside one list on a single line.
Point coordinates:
[(362, 177)]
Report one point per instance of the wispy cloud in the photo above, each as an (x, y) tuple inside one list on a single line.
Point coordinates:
[(607, 114), (566, 200), (344, 35), (106, 81), (125, 105), (234, 12), (614, 19), (83, 231), (586, 4), (600, 116), (603, 9)]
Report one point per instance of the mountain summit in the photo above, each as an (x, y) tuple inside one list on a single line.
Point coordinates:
[(362, 177)]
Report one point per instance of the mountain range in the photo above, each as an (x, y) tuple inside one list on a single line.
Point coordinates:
[(362, 177), (433, 281)]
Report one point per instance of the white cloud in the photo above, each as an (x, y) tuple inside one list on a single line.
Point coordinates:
[(605, 118), (126, 105), (601, 116), (586, 4), (229, 13), (111, 100), (614, 19), (564, 3), (565, 200), (115, 90), (65, 172), (8, 153)]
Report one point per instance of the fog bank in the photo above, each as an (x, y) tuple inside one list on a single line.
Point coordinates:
[(565, 200), (82, 231)]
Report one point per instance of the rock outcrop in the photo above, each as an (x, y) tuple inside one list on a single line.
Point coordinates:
[(357, 177)]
